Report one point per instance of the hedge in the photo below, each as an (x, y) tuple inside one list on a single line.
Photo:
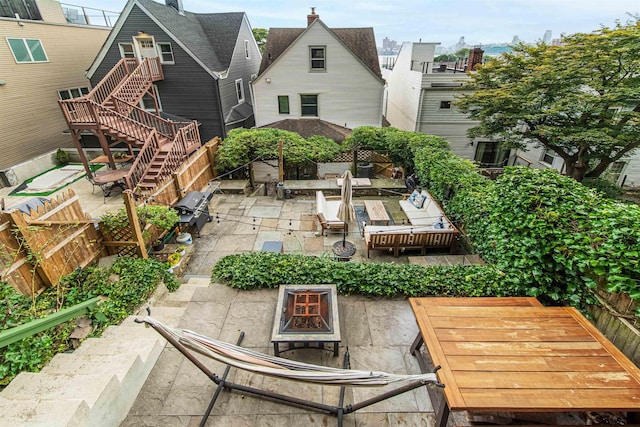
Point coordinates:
[(256, 270)]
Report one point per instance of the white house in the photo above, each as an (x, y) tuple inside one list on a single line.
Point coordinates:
[(331, 75), (420, 96)]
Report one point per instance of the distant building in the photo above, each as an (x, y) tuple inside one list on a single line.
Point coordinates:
[(318, 75), (547, 37), (44, 53)]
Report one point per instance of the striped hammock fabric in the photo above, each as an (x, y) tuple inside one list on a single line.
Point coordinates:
[(261, 363)]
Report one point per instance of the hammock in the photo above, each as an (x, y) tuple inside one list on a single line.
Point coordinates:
[(261, 363)]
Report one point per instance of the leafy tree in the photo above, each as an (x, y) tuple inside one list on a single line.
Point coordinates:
[(260, 34), (462, 53), (580, 100), (244, 145), (447, 57)]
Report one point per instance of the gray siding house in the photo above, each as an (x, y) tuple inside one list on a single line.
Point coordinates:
[(208, 61)]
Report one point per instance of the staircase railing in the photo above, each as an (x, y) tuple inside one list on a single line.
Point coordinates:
[(181, 147), (143, 160), (113, 78), (84, 112), (139, 81)]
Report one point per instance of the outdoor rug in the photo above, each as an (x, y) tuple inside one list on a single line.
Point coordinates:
[(361, 215), (52, 180)]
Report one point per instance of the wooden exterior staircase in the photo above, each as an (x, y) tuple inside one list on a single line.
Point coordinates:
[(111, 109)]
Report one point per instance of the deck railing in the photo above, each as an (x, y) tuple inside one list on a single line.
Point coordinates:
[(186, 141), (143, 160), (113, 78), (139, 81)]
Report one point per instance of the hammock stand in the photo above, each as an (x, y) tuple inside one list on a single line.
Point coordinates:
[(338, 411)]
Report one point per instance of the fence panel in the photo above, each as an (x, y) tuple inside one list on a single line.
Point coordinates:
[(16, 268), (60, 237), (193, 175)]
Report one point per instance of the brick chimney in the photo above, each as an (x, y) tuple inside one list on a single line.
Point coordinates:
[(475, 58), (312, 17)]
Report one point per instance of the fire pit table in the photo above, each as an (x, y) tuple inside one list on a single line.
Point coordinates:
[(306, 314)]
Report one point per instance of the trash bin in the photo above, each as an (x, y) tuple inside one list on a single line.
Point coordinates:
[(280, 191), (365, 170)]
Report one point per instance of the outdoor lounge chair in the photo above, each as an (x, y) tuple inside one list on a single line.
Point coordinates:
[(233, 355)]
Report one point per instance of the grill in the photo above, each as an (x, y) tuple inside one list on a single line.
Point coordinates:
[(194, 210)]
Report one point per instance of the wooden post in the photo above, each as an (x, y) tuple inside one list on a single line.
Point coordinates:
[(104, 144), (134, 223), (83, 158), (280, 162), (212, 148)]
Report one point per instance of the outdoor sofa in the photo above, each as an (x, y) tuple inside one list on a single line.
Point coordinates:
[(327, 213)]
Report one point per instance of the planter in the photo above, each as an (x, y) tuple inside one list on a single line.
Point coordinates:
[(184, 238), (158, 246)]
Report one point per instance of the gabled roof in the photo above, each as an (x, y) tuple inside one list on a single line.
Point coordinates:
[(209, 38), (310, 127), (360, 41)]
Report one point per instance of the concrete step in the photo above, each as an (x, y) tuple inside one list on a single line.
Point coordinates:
[(120, 365), (67, 386), (148, 349), (43, 413), (199, 282)]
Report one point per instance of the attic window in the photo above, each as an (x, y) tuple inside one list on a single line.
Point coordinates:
[(166, 53), (240, 90), (445, 105), (126, 50), (247, 52), (317, 58)]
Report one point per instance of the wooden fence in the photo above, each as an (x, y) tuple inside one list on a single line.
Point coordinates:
[(37, 249), (53, 240), (193, 175)]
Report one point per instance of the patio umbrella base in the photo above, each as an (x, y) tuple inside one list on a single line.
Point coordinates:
[(346, 250)]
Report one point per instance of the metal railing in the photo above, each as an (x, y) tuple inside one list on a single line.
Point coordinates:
[(88, 15)]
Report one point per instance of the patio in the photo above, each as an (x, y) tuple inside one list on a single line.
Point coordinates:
[(378, 332)]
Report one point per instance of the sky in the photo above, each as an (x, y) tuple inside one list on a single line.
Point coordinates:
[(444, 21)]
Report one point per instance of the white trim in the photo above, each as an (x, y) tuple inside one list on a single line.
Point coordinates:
[(548, 152), (153, 109), (116, 30), (24, 41), (79, 89), (247, 50), (160, 53), (123, 53), (323, 59), (239, 94), (317, 21)]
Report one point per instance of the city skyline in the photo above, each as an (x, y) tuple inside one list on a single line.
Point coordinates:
[(479, 22)]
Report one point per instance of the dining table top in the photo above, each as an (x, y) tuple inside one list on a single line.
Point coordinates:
[(110, 176), (514, 355)]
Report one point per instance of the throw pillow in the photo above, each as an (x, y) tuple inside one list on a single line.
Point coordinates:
[(413, 196), (418, 201)]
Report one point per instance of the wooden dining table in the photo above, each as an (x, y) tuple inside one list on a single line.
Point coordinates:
[(512, 355)]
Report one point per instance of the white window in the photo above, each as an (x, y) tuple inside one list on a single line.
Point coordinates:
[(548, 157), (615, 171), (317, 58), (166, 53), (27, 50), (75, 92), (147, 103), (126, 50), (247, 52), (240, 90)]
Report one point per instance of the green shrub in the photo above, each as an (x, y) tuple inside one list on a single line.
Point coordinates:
[(607, 188), (256, 270), (126, 285)]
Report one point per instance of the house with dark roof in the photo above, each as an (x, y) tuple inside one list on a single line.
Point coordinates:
[(208, 60), (329, 75)]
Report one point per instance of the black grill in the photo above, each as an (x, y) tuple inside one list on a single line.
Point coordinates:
[(194, 210)]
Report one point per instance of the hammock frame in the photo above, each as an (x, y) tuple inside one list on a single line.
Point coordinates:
[(339, 411)]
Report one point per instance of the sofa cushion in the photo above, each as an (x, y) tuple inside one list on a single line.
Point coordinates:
[(419, 201), (413, 196)]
